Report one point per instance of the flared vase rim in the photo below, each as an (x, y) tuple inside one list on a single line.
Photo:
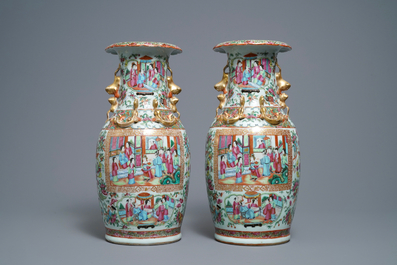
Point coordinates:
[(284, 47), (174, 49)]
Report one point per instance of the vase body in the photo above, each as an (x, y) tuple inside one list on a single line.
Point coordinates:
[(143, 160), (252, 151)]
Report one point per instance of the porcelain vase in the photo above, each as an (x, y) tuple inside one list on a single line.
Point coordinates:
[(252, 155), (142, 155)]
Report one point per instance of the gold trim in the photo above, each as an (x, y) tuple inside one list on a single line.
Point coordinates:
[(282, 85), (140, 188), (172, 119), (250, 131), (113, 89), (130, 120), (221, 87), (274, 121), (224, 117)]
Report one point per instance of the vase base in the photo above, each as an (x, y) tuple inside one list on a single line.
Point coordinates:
[(144, 241), (252, 242)]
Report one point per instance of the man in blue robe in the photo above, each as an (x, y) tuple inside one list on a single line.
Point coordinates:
[(158, 163), (265, 162), (142, 215)]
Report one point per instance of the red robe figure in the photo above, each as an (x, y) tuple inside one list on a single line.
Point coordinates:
[(128, 211), (160, 212), (267, 211), (236, 209), (222, 167), (239, 72), (115, 167), (133, 75), (169, 162), (128, 150), (277, 162)]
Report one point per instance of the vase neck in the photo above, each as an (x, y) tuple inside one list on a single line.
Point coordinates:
[(252, 75), (143, 76)]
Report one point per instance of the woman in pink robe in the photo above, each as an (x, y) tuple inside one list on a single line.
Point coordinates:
[(236, 149), (255, 71), (239, 72), (160, 212), (115, 167), (223, 167), (267, 211), (133, 75), (128, 150), (128, 211), (236, 209), (169, 162), (277, 161)]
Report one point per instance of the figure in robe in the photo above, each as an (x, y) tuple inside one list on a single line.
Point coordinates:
[(128, 150), (245, 210), (277, 161), (255, 72), (128, 211), (236, 209), (169, 162), (131, 172), (165, 203), (254, 207), (163, 158), (273, 210), (230, 157), (265, 162), (239, 171), (156, 78), (133, 75), (261, 78), (150, 74), (141, 78), (115, 167), (176, 160), (284, 159), (148, 209), (123, 158), (222, 167), (147, 170), (142, 215), (246, 75), (111, 216), (237, 149), (153, 146), (239, 72), (254, 169), (260, 144), (267, 210), (158, 163), (160, 212)]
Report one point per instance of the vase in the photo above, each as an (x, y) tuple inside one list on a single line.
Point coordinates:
[(252, 155), (142, 155)]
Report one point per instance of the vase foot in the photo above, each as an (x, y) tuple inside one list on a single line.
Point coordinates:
[(252, 242), (143, 241)]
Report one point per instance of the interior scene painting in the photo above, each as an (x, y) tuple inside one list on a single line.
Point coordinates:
[(145, 75), (253, 209), (146, 210), (144, 160), (252, 159), (251, 73)]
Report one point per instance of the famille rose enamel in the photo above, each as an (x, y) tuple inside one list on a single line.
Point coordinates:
[(252, 156), (142, 155)]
